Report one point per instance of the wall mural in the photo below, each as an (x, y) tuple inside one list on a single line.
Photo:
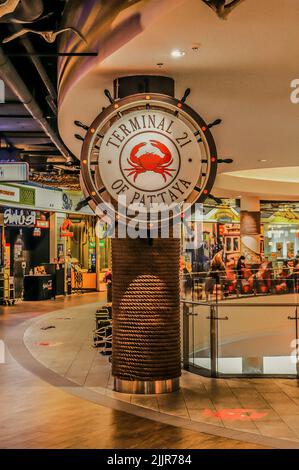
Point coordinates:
[(250, 236)]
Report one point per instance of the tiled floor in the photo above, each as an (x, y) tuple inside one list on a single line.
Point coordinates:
[(256, 408), (38, 411)]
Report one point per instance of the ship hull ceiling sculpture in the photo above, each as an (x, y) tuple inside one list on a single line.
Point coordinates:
[(223, 7), (8, 7), (113, 7), (49, 36), (21, 11)]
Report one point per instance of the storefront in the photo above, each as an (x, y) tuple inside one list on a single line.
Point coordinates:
[(220, 227), (78, 245), (281, 229), (279, 233), (44, 235), (26, 235)]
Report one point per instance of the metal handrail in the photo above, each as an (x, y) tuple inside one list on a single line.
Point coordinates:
[(255, 284), (213, 321), (234, 269), (239, 304)]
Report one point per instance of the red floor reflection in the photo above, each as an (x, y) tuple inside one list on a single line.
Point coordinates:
[(47, 343), (236, 414)]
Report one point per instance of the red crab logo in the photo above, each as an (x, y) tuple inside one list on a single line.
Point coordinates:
[(150, 161)]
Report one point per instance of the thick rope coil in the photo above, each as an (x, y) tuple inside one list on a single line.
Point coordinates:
[(146, 309)]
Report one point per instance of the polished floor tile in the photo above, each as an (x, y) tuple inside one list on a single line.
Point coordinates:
[(257, 407)]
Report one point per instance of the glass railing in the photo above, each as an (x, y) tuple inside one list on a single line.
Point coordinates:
[(253, 336), (216, 286)]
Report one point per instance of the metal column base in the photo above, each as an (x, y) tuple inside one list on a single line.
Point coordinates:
[(146, 387)]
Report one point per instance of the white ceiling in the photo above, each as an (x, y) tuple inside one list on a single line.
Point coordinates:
[(241, 73), (288, 174)]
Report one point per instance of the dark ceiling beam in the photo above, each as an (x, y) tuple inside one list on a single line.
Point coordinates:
[(9, 109), (23, 135), (12, 102), (39, 148), (44, 147), (52, 54), (51, 152), (15, 116), (52, 97), (17, 143), (56, 160), (18, 87)]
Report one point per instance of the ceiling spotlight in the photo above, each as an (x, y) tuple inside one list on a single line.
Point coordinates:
[(176, 53), (263, 160), (195, 47)]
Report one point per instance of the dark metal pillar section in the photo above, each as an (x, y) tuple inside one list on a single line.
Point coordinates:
[(146, 354)]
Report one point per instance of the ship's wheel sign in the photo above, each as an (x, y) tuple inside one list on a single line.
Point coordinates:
[(149, 158), (148, 150)]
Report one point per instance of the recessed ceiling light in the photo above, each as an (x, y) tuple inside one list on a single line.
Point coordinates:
[(263, 160), (177, 53), (195, 47)]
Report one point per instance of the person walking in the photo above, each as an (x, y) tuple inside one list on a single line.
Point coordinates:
[(240, 272), (218, 270), (108, 279)]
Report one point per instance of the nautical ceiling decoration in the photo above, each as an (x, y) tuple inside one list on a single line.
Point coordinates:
[(8, 7), (49, 36), (151, 148), (223, 7), (57, 179)]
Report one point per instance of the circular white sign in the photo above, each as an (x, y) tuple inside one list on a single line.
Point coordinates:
[(150, 157)]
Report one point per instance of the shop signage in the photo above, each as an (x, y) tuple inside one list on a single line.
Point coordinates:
[(57, 200), (147, 155), (69, 278), (66, 234), (9, 193), (19, 217), (70, 200), (65, 229), (16, 171), (67, 203), (49, 199), (7, 256), (150, 158), (47, 286), (42, 224)]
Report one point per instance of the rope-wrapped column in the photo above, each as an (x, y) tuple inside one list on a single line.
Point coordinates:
[(146, 315)]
